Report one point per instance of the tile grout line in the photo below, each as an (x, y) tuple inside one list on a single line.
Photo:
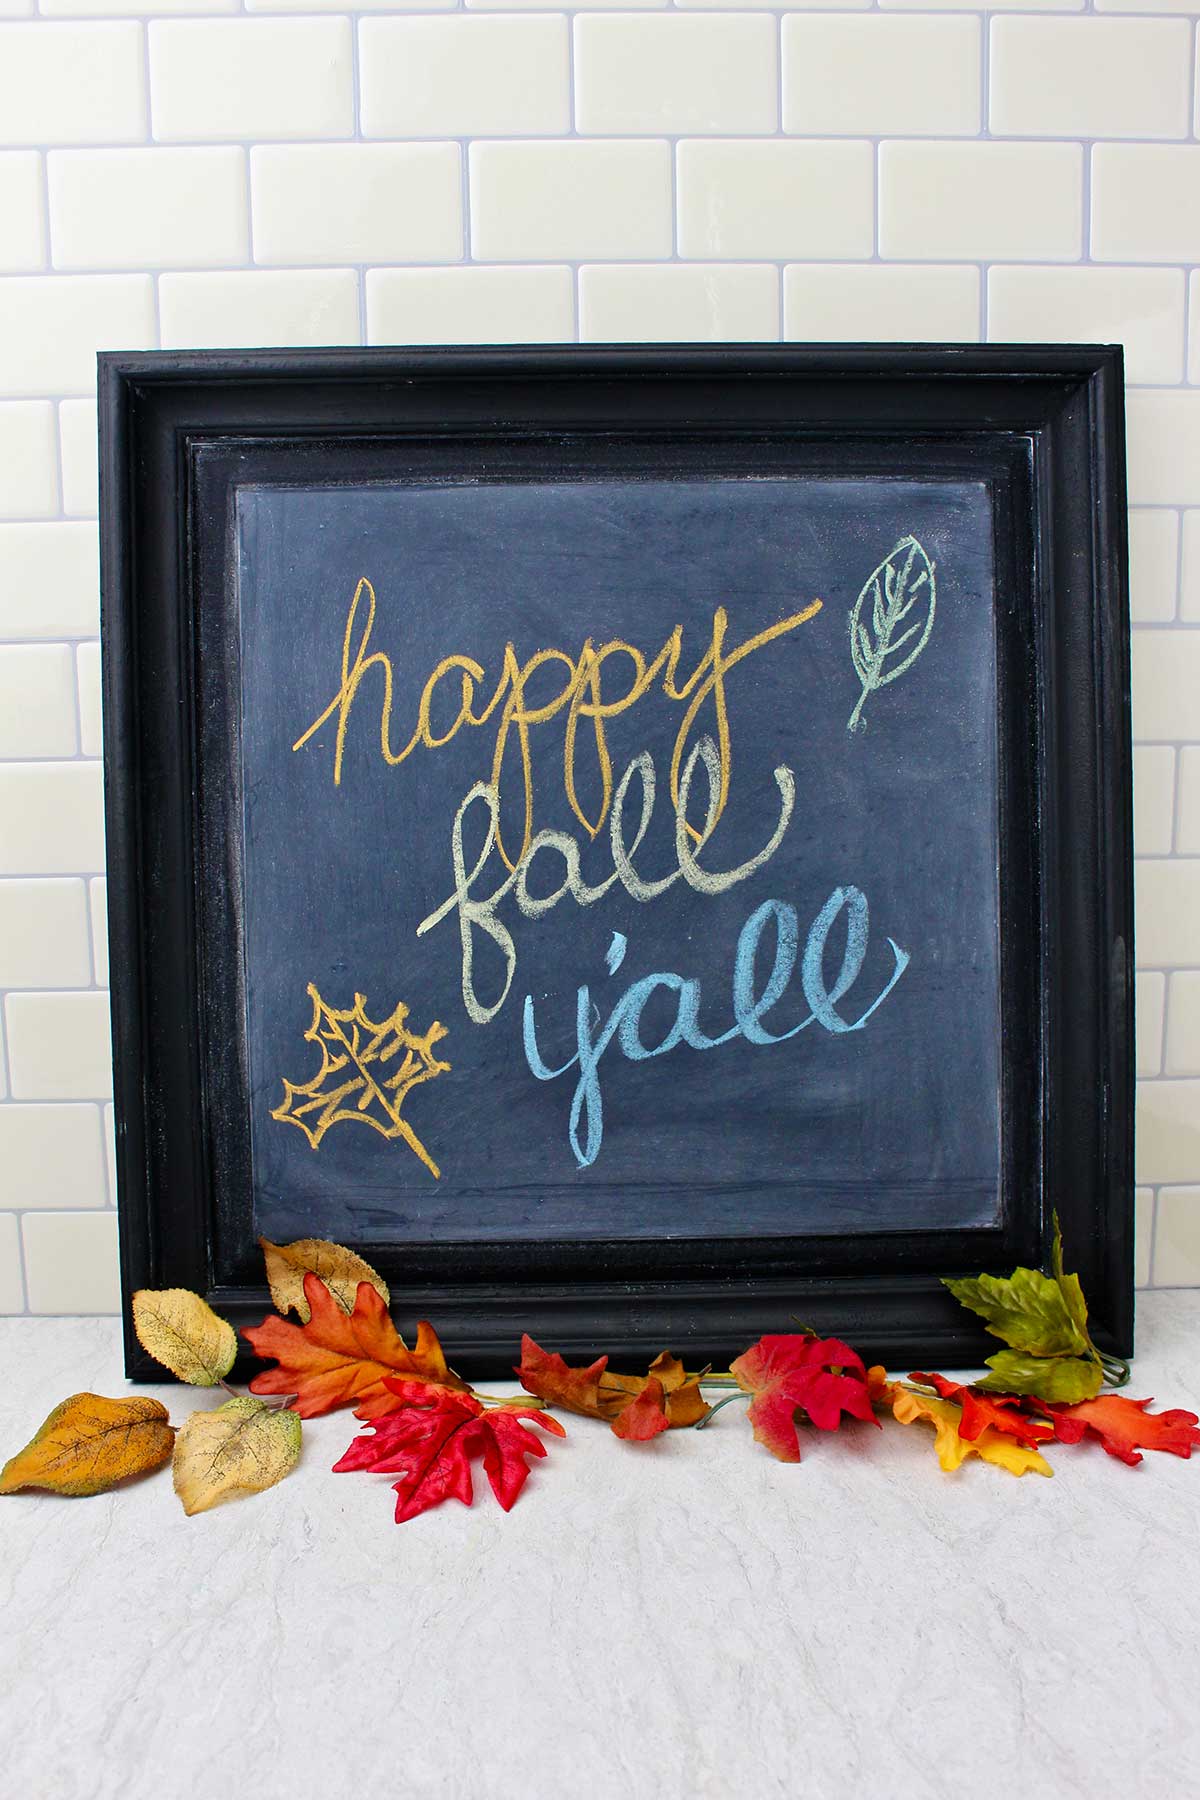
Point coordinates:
[(360, 269)]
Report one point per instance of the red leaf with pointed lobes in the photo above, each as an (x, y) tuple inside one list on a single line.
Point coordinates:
[(1125, 1428), (338, 1357), (821, 1377), (430, 1440), (645, 1416), (1001, 1411)]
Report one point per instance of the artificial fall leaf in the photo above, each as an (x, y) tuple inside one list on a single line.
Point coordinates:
[(952, 1447), (181, 1331), (367, 1071), (1125, 1428), (983, 1412), (340, 1269), (1069, 1287), (645, 1416), (788, 1373), (341, 1357), (1043, 1318), (89, 1443), (430, 1440), (1027, 1309), (1042, 1377), (597, 1393), (242, 1447)]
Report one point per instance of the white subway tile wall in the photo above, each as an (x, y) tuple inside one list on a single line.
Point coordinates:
[(184, 173)]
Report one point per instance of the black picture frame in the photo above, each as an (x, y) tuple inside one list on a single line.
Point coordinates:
[(178, 432)]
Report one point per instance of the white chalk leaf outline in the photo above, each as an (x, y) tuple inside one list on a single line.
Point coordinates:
[(894, 588)]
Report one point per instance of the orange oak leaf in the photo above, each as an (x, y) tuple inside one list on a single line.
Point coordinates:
[(430, 1440), (599, 1394), (340, 1357), (1125, 1428), (981, 1412), (791, 1373)]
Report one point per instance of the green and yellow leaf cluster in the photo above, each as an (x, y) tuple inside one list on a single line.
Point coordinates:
[(1043, 1320)]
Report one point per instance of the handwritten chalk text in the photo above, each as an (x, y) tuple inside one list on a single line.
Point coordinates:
[(585, 695), (586, 1124), (480, 914)]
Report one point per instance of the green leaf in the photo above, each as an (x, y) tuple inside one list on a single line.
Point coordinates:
[(1063, 1378), (1068, 1286), (1028, 1310)]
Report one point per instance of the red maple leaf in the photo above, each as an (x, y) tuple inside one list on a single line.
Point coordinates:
[(430, 1440), (1125, 1428), (338, 1357), (822, 1377), (1001, 1411)]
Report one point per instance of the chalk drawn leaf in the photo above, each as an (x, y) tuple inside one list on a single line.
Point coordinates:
[(366, 1073), (902, 595)]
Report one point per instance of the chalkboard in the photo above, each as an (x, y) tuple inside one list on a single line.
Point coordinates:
[(634, 841), (792, 1027)]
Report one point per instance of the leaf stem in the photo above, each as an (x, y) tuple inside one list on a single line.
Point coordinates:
[(714, 1410)]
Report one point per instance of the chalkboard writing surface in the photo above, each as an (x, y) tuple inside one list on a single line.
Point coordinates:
[(801, 673)]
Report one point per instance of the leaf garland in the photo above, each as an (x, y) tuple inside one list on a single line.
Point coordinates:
[(427, 1426)]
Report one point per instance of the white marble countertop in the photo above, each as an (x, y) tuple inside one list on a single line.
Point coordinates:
[(662, 1622)]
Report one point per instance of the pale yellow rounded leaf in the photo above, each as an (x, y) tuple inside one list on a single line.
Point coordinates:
[(239, 1448), (340, 1269), (181, 1331)]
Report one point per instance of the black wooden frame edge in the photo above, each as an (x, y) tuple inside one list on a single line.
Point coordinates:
[(860, 1306)]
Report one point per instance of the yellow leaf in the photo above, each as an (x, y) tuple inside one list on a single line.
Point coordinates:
[(952, 1450), (340, 1269), (183, 1333), (89, 1443), (239, 1448)]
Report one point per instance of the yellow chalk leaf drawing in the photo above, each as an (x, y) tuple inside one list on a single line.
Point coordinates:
[(366, 1072)]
